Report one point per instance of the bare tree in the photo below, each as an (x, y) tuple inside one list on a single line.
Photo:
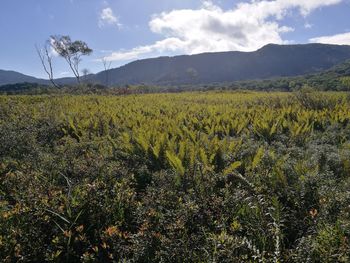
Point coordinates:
[(71, 52), (46, 61), (107, 66), (85, 73)]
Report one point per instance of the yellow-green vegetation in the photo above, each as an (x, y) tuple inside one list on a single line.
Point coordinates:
[(190, 177)]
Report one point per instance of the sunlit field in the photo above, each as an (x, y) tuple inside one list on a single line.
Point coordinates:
[(186, 177)]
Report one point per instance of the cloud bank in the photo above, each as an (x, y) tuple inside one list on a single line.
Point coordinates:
[(246, 27), (339, 39)]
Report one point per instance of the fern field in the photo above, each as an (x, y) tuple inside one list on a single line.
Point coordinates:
[(188, 177)]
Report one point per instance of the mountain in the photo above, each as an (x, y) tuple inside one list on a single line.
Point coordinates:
[(268, 62), (271, 61), (13, 77)]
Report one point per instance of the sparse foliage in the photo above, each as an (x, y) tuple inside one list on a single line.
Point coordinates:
[(71, 51)]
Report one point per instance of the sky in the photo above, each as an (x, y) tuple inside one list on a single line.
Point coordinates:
[(122, 31)]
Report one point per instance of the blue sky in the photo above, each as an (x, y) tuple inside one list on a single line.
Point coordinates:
[(126, 30)]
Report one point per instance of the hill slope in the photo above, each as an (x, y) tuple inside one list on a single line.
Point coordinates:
[(267, 62), (271, 61), (13, 77)]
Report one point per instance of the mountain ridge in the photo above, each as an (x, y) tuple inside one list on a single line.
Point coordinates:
[(270, 61), (12, 77)]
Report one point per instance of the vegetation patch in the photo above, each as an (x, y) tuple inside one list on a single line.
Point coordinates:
[(189, 177)]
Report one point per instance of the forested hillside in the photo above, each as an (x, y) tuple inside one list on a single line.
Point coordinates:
[(267, 62), (271, 61), (12, 77)]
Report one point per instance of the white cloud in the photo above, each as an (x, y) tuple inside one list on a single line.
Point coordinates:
[(107, 17), (64, 73), (308, 25), (246, 27), (339, 39), (169, 44)]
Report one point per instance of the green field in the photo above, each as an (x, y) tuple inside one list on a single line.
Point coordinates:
[(186, 177)]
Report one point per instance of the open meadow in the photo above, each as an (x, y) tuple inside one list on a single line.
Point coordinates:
[(185, 177)]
